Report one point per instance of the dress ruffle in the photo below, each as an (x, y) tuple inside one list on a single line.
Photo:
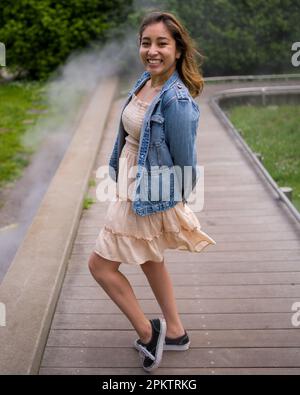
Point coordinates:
[(139, 239), (130, 238)]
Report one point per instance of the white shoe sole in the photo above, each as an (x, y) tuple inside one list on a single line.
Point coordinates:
[(159, 347), (167, 347), (173, 347)]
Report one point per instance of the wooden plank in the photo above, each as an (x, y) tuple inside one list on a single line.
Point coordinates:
[(210, 255), (79, 265), (246, 357), (204, 279), (105, 306), (171, 371), (198, 292), (199, 338), (203, 321)]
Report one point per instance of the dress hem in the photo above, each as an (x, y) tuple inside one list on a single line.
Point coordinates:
[(157, 256), (181, 247)]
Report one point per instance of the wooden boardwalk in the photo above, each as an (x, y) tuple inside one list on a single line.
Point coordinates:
[(235, 298)]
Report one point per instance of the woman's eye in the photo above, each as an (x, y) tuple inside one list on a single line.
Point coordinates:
[(161, 44)]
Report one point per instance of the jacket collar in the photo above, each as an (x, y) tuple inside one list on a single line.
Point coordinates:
[(172, 79)]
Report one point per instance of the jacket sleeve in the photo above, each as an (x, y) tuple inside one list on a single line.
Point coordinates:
[(181, 122)]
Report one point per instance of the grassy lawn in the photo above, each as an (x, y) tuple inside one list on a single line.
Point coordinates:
[(273, 131), (20, 106)]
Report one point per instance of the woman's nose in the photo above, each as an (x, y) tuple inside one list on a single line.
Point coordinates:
[(152, 49)]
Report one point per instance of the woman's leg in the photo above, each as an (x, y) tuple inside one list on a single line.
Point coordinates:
[(161, 284), (118, 288)]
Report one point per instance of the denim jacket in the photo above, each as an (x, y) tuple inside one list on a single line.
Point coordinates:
[(167, 144)]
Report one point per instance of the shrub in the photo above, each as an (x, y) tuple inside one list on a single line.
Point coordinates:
[(242, 37), (40, 34)]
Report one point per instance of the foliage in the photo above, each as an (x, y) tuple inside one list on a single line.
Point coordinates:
[(242, 37), (273, 131), (40, 35), (17, 100)]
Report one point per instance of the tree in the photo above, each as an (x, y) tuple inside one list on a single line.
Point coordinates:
[(242, 37), (40, 34)]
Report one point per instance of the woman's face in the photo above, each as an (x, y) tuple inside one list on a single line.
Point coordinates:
[(158, 45)]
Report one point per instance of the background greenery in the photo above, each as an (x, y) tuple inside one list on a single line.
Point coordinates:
[(40, 34), (20, 104), (236, 37), (244, 36), (273, 131)]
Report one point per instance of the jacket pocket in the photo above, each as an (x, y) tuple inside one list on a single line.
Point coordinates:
[(157, 118), (156, 129)]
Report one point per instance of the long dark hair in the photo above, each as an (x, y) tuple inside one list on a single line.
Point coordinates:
[(187, 65)]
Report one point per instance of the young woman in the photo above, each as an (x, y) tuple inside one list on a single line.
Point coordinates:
[(157, 133)]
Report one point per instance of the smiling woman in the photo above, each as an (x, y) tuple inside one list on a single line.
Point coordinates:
[(157, 130)]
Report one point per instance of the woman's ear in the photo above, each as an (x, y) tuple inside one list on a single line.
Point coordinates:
[(178, 54)]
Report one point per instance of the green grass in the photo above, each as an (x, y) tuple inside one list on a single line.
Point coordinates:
[(92, 183), (88, 202), (273, 131), (16, 99)]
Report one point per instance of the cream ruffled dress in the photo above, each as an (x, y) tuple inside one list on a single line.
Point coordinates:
[(130, 238)]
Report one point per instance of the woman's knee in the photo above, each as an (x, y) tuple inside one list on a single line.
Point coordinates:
[(152, 265), (98, 265), (92, 262)]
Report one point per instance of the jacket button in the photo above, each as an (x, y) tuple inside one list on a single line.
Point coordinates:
[(179, 86)]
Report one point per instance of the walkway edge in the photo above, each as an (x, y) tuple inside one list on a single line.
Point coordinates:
[(252, 78), (31, 287)]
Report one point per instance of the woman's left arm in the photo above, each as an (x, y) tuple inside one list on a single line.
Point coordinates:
[(181, 123)]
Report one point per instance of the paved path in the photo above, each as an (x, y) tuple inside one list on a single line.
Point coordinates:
[(234, 298)]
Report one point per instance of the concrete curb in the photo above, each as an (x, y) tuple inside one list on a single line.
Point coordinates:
[(264, 91), (31, 287)]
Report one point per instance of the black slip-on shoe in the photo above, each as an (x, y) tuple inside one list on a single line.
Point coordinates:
[(181, 343), (151, 353)]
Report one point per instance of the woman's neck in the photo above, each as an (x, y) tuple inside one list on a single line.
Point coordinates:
[(159, 80)]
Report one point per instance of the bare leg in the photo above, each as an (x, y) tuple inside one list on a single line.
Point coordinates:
[(118, 288), (161, 284)]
